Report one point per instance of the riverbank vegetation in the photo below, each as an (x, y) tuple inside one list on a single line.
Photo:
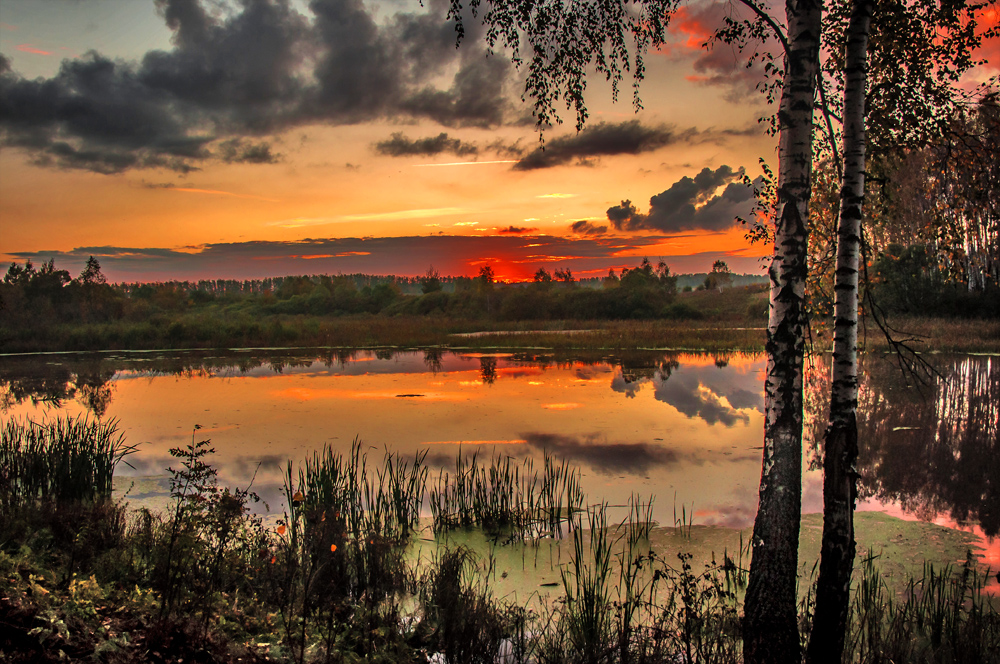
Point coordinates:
[(334, 579), (45, 309)]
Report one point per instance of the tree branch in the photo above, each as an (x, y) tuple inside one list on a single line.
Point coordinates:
[(769, 20), (827, 113)]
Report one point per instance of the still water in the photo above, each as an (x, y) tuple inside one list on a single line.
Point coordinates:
[(683, 428)]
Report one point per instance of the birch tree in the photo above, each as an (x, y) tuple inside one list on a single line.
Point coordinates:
[(559, 43), (841, 440), (770, 625)]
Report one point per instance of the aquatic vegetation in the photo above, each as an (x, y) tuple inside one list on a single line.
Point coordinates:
[(507, 498), (63, 460), (332, 580)]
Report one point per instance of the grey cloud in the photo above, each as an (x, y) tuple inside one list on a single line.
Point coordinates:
[(690, 204), (584, 227), (477, 98), (506, 150), (244, 75), (398, 145), (720, 65), (713, 397), (602, 139), (689, 398), (516, 230), (238, 150)]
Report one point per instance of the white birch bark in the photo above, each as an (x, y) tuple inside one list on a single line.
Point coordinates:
[(841, 441), (770, 626)]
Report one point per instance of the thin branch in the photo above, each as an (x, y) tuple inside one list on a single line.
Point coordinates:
[(907, 358), (767, 18), (825, 108)]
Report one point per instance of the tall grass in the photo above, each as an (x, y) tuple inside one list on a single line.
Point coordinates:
[(63, 460), (332, 583), (944, 616), (507, 498)]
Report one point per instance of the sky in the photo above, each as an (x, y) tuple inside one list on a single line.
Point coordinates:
[(187, 139)]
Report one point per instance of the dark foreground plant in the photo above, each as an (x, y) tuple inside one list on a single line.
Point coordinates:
[(461, 617), (62, 460), (207, 582)]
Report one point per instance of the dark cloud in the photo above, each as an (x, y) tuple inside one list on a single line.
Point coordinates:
[(238, 150), (249, 74), (690, 204), (600, 140), (399, 145), (477, 98), (584, 227), (506, 150), (516, 230), (604, 457)]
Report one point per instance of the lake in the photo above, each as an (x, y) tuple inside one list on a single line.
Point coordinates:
[(684, 428)]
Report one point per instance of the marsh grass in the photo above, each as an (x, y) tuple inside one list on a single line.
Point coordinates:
[(944, 616), (333, 583), (507, 499), (466, 621), (64, 460)]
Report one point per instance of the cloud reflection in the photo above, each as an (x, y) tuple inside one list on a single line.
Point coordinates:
[(606, 458)]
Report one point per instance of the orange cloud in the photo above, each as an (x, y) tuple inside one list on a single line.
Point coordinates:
[(561, 406), (317, 256), (989, 19), (691, 27), (28, 48)]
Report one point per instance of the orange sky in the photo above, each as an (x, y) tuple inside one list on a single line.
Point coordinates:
[(195, 141)]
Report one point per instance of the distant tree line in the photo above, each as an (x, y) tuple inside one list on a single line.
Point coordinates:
[(32, 298)]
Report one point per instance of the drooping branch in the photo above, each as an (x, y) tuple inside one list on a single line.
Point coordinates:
[(778, 30)]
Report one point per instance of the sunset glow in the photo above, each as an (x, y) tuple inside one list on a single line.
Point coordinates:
[(261, 187)]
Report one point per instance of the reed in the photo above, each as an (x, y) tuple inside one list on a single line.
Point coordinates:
[(944, 616), (507, 499), (63, 460)]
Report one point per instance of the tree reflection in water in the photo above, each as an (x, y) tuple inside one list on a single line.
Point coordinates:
[(88, 381), (933, 450)]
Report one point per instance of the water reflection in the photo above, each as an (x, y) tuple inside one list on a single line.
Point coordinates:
[(935, 451), (640, 421)]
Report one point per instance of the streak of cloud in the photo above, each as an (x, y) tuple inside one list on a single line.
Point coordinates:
[(216, 192), (422, 213), (470, 163), (520, 256), (601, 140), (28, 48)]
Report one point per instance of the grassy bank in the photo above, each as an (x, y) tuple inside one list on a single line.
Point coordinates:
[(715, 334), (83, 578)]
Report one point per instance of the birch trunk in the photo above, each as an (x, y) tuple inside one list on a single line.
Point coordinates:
[(833, 589), (770, 631)]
